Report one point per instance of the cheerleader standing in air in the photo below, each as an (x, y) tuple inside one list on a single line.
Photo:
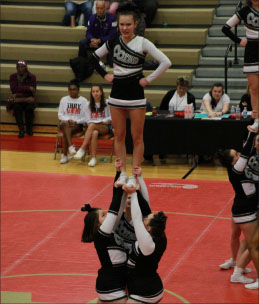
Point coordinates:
[(128, 82), (250, 15)]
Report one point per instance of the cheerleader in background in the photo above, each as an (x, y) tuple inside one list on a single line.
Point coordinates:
[(250, 15)]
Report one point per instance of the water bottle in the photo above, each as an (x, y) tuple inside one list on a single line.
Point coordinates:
[(232, 110), (171, 110), (244, 113), (186, 112), (238, 113), (190, 111)]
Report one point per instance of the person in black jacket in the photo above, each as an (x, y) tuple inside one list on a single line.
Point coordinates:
[(178, 98)]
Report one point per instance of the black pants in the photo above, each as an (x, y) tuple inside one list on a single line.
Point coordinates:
[(85, 51), (28, 109)]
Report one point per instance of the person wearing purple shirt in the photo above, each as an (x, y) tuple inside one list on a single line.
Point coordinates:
[(23, 88), (102, 26)]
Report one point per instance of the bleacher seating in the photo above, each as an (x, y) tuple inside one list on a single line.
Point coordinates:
[(31, 30)]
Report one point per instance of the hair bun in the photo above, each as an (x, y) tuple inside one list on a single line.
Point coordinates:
[(87, 207), (126, 7)]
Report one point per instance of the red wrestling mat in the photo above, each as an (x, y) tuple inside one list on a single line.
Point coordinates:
[(43, 259), (38, 143)]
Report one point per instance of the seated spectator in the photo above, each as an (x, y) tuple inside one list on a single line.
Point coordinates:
[(246, 101), (22, 99), (98, 119), (72, 116), (148, 8), (74, 8), (178, 98), (102, 27), (216, 102)]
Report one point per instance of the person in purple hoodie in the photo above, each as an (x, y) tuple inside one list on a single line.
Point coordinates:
[(102, 26), (23, 88)]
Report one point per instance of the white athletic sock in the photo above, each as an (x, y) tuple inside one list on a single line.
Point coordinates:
[(238, 270)]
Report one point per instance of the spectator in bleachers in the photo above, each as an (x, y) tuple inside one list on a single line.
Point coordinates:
[(246, 101), (74, 8), (72, 116), (102, 26), (149, 8), (216, 102), (22, 99), (178, 98), (98, 118)]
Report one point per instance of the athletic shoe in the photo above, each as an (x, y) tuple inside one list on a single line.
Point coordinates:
[(122, 180), (92, 162), (247, 270), (254, 126), (64, 159), (228, 264), (254, 285), (72, 150), (131, 183), (79, 154), (239, 278)]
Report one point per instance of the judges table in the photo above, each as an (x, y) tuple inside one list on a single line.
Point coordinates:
[(176, 135)]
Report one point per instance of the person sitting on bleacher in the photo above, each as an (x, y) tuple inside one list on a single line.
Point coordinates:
[(216, 102), (178, 98), (75, 8), (102, 26), (23, 88), (98, 118), (72, 116)]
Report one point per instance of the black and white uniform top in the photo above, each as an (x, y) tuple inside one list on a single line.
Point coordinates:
[(246, 196), (144, 283), (128, 61), (125, 233), (111, 280), (250, 16)]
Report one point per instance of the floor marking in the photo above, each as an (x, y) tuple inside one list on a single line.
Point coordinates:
[(49, 236), (73, 210), (47, 274), (196, 241)]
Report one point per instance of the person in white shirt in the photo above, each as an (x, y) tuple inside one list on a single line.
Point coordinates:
[(71, 113), (98, 118), (179, 98), (216, 102)]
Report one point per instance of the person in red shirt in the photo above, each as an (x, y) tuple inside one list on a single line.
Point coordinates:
[(23, 88)]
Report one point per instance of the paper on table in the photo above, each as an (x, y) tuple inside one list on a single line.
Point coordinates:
[(206, 116)]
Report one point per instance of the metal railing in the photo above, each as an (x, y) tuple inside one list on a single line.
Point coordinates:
[(228, 63), (239, 5)]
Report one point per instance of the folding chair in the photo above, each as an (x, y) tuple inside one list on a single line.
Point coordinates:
[(59, 140)]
